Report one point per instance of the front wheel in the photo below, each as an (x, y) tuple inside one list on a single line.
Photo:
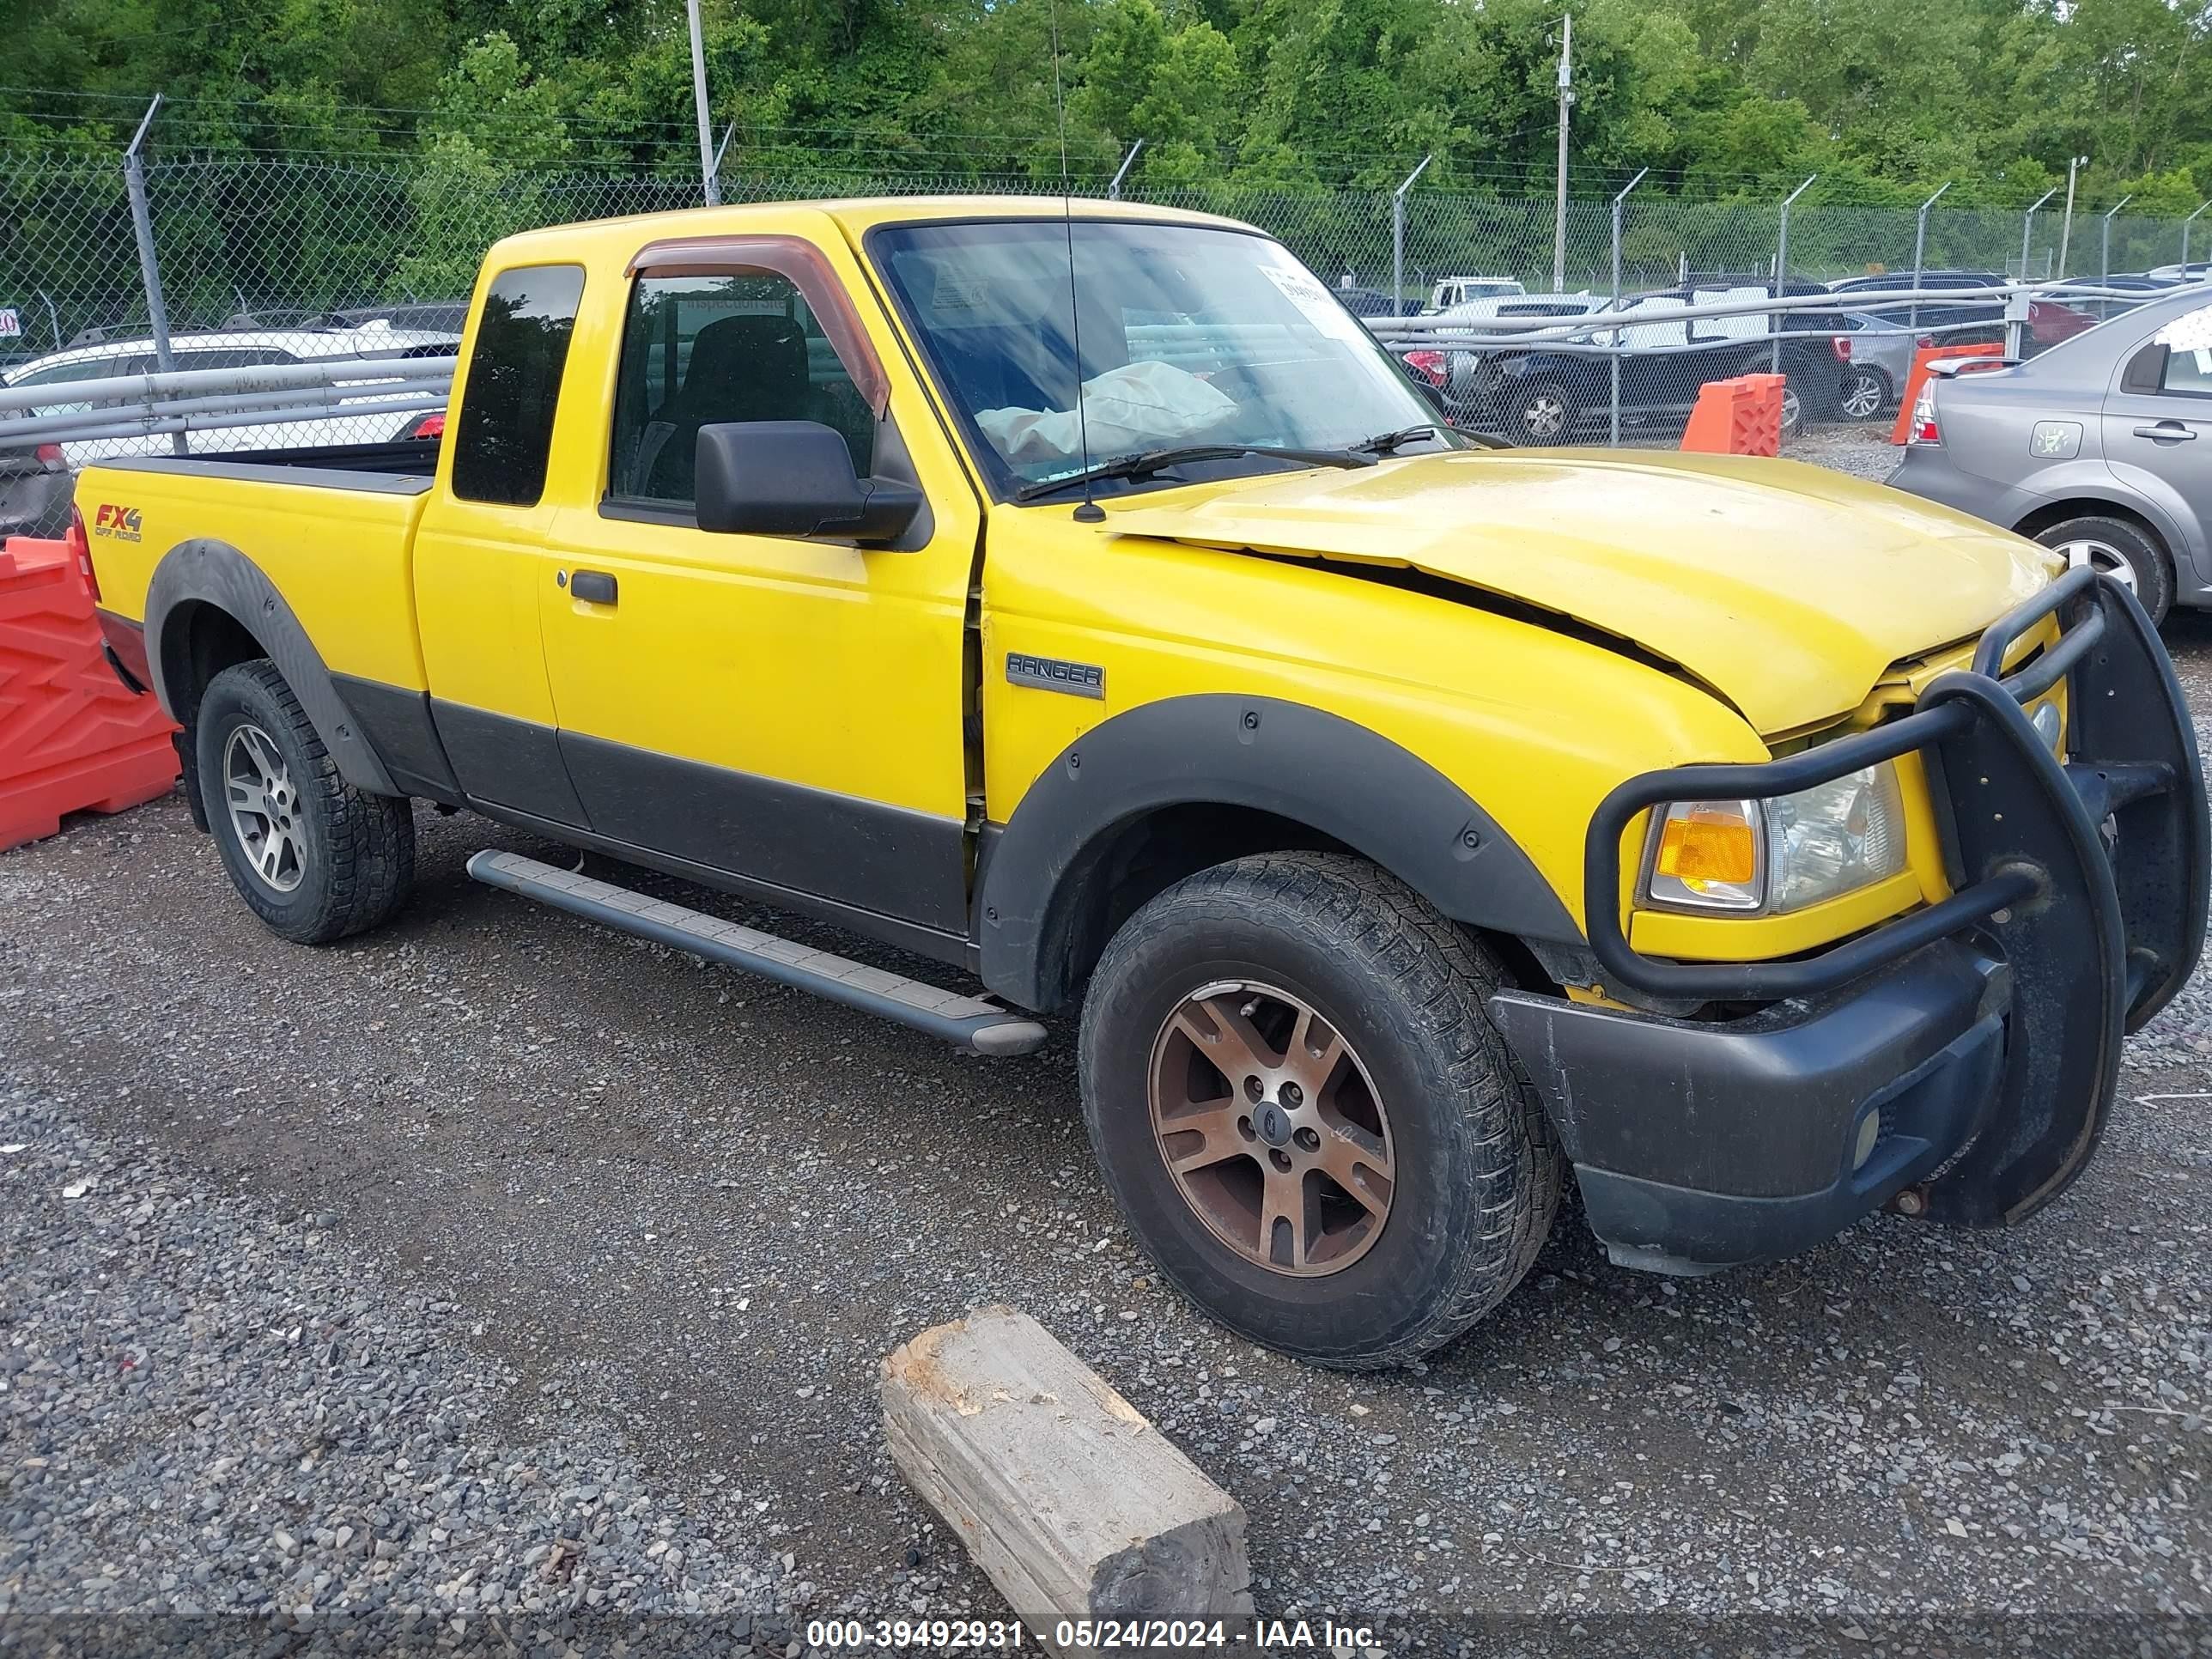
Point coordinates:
[(1294, 1089), (1863, 395), (315, 858)]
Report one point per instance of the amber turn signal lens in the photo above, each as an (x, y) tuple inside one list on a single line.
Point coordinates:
[(1706, 844)]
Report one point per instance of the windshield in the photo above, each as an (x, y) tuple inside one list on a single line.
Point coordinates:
[(1190, 335)]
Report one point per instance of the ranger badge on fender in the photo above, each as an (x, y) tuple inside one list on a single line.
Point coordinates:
[(1078, 679)]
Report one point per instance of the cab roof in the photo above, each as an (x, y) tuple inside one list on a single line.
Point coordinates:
[(855, 217)]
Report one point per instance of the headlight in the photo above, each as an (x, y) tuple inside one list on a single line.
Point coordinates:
[(2048, 726), (1782, 854)]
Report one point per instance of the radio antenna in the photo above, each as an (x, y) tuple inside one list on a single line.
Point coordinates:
[(1087, 511)]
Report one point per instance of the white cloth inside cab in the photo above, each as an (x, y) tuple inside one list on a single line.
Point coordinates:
[(1137, 406)]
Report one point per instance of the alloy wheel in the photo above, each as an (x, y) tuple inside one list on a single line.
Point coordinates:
[(1862, 398), (2102, 556), (1272, 1128), (265, 808), (1544, 416)]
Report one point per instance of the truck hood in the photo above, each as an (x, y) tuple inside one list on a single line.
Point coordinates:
[(1789, 589)]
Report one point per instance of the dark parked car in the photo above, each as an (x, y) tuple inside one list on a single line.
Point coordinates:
[(1370, 302), (1547, 396), (2102, 448), (34, 488)]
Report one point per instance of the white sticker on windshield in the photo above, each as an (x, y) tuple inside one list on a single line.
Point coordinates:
[(1314, 301), (956, 296)]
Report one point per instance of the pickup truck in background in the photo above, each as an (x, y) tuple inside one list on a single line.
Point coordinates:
[(1405, 820)]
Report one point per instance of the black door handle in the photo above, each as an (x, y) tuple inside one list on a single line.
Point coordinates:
[(592, 586)]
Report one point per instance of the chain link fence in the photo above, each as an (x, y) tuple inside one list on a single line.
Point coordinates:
[(266, 260)]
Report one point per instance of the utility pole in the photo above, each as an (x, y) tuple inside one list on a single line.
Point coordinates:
[(1567, 103), (2066, 225), (706, 156)]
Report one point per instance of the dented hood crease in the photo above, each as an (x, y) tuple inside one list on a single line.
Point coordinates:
[(1789, 588)]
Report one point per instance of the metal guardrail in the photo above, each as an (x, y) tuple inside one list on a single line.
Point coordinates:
[(205, 399), (1417, 330)]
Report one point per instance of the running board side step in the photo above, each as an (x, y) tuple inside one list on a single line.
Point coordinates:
[(972, 1023)]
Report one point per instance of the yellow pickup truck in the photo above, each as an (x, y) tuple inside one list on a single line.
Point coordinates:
[(1082, 600)]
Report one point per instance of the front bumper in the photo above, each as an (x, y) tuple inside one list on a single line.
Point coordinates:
[(1981, 1034)]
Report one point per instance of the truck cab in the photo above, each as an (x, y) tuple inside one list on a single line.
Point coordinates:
[(1081, 600)]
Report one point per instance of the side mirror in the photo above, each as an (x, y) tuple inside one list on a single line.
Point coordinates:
[(793, 478)]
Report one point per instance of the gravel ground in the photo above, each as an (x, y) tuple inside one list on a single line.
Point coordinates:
[(1864, 451), (214, 1408), (460, 1268)]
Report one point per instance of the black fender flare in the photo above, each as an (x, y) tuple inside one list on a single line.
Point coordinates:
[(205, 571), (1318, 770)]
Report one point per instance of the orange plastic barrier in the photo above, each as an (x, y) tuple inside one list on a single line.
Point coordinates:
[(73, 737), (1738, 416), (1917, 377)]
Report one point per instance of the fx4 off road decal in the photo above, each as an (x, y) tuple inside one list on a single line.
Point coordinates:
[(116, 523)]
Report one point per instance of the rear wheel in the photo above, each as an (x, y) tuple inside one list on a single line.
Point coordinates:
[(2121, 549), (1293, 1087), (315, 858)]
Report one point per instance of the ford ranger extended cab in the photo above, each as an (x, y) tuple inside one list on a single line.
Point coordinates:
[(1089, 605)]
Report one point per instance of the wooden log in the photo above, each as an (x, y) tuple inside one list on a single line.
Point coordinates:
[(1071, 1502)]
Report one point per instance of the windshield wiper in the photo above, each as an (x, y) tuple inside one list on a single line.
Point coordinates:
[(1144, 463), (1390, 443)]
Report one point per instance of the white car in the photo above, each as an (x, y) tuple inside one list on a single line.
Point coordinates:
[(237, 347)]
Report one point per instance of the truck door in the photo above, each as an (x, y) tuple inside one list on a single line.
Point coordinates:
[(477, 553), (788, 711)]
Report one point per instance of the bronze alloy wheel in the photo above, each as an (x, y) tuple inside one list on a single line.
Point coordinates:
[(1272, 1128)]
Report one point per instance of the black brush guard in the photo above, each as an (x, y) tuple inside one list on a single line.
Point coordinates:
[(2088, 880)]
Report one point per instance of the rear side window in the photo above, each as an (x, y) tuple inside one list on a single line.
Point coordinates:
[(513, 384)]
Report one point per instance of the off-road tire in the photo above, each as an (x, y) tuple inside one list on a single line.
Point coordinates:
[(1478, 1171), (2154, 570), (359, 861)]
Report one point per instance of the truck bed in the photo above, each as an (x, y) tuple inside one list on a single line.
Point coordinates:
[(332, 529), (402, 457)]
